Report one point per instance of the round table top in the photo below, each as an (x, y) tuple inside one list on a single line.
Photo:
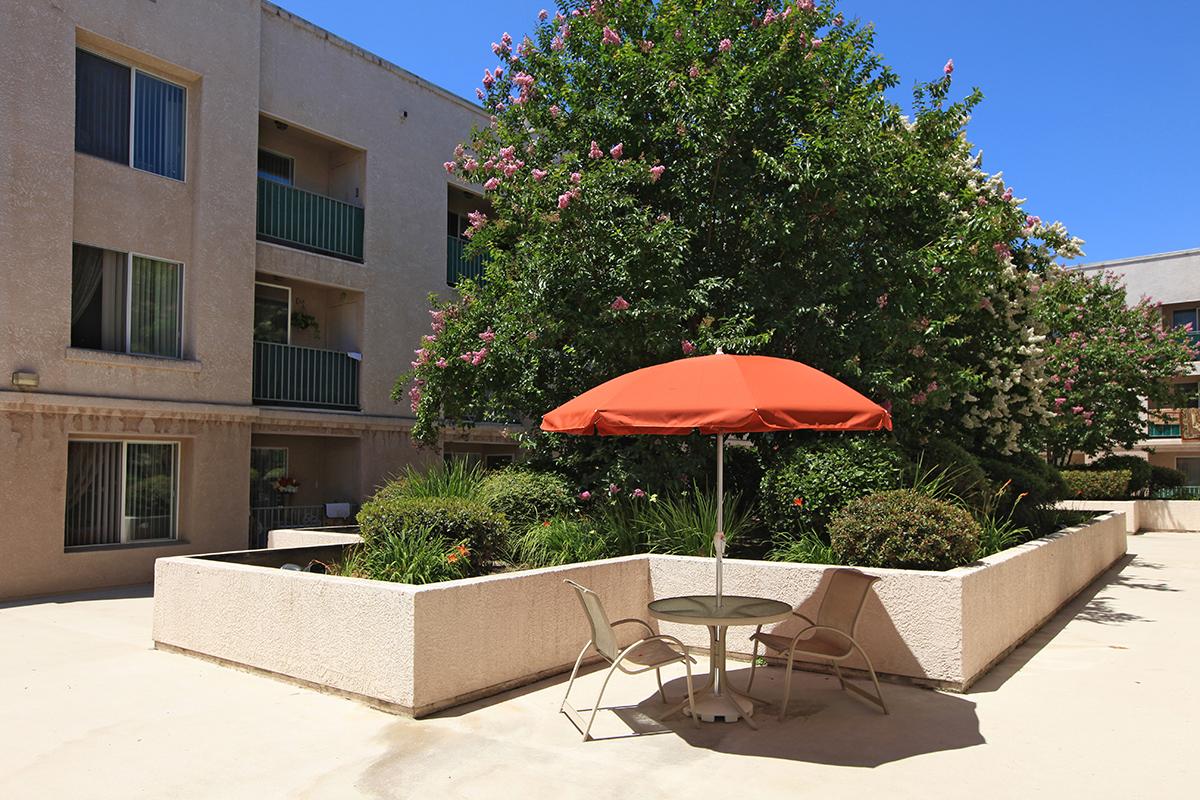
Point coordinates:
[(702, 609)]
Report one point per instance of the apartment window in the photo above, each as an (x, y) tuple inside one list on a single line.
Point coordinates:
[(276, 167), (267, 465), (1191, 468), (129, 116), (126, 303), (120, 492), (272, 313)]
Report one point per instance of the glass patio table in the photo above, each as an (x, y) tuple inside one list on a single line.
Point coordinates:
[(717, 700)]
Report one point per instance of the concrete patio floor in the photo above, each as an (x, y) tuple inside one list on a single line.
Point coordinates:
[(1100, 703)]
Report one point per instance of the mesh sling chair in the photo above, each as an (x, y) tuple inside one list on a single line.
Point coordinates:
[(652, 652), (831, 638)]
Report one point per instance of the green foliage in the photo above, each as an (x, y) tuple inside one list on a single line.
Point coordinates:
[(618, 523), (652, 193), (408, 555), (960, 469), (526, 497), (1028, 487), (903, 529), (685, 524), (1140, 471), (561, 540), (1097, 484), (386, 517), (453, 478), (1105, 358), (809, 482), (807, 548), (1163, 478), (998, 532)]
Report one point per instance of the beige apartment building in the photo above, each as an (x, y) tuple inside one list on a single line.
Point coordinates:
[(219, 226), (1172, 279)]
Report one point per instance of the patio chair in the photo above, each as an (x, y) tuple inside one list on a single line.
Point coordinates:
[(652, 652), (831, 638)]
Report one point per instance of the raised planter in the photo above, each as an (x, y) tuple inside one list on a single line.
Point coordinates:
[(418, 649), (1146, 515)]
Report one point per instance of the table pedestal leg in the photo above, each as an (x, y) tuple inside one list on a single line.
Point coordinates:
[(719, 701)]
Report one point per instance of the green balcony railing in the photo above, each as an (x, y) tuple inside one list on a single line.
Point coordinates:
[(1157, 430), (313, 222), (289, 375), (458, 266)]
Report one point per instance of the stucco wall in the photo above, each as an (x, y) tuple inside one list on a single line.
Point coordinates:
[(1166, 277), (1146, 515), (213, 494), (475, 637), (1009, 595)]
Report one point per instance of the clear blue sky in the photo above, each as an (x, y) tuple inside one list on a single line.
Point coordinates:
[(1091, 109)]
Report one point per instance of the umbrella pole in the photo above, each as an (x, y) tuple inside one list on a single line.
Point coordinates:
[(719, 538)]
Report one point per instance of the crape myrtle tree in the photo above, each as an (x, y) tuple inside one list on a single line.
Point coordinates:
[(668, 178), (1107, 361)]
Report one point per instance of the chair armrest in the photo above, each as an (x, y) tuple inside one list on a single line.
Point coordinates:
[(662, 637), (814, 628), (641, 622)]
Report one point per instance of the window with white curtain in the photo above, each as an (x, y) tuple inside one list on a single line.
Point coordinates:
[(120, 492), (126, 303), (126, 115)]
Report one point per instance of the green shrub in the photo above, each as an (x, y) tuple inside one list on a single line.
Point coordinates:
[(1140, 471), (1028, 488), (618, 525), (806, 486), (1162, 478), (685, 524), (454, 519), (903, 529), (561, 540), (411, 555), (454, 478), (960, 470), (998, 533), (1097, 484), (526, 497), (808, 548)]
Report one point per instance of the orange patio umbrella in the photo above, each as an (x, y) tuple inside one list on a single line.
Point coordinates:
[(718, 394)]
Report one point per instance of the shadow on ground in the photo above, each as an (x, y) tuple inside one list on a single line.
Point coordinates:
[(115, 593)]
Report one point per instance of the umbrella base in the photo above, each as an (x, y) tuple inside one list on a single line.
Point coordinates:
[(712, 707)]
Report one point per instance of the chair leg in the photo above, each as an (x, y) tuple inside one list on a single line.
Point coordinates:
[(753, 666), (787, 686), (574, 672), (658, 676), (592, 718), (691, 698), (874, 679), (838, 671)]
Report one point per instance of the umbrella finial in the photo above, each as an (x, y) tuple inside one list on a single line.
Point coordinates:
[(720, 351)]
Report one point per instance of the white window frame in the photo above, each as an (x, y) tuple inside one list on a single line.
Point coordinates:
[(134, 69), (288, 289), (175, 468), (129, 304)]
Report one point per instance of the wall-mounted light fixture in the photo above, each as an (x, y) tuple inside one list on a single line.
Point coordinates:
[(25, 380)]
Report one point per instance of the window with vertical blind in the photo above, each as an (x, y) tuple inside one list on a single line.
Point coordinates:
[(126, 303), (121, 492), (126, 115)]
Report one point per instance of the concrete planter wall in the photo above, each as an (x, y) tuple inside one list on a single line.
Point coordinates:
[(1146, 515), (418, 649)]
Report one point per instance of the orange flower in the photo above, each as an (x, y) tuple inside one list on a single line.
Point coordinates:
[(452, 557), (546, 524), (798, 502), (462, 550)]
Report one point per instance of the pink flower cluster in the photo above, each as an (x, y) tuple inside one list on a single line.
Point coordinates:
[(477, 220), (619, 304), (610, 36), (949, 68), (725, 45), (656, 172), (475, 357), (503, 48), (687, 346)]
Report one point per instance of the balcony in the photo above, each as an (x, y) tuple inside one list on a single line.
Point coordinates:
[(309, 221), (1157, 430), (305, 377), (458, 265)]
